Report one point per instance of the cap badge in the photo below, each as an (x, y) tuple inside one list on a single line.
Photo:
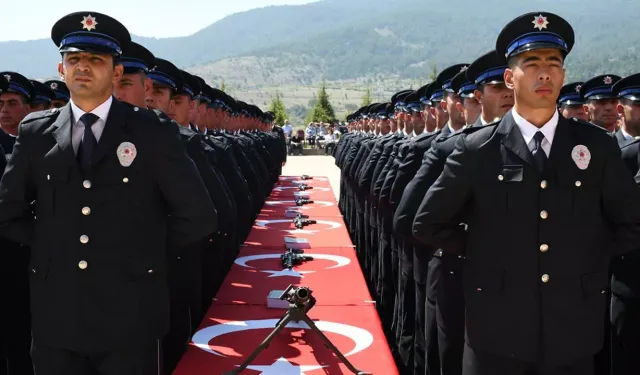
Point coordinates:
[(53, 86), (8, 77), (88, 22), (126, 153), (540, 22), (608, 80), (464, 68), (578, 88), (581, 156)]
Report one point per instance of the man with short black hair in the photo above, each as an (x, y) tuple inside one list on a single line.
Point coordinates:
[(111, 187), (527, 187)]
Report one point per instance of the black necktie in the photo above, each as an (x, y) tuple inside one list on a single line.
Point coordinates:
[(539, 156), (88, 143)]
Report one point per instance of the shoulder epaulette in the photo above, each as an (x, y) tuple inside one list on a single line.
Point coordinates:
[(590, 125), (630, 142), (34, 116)]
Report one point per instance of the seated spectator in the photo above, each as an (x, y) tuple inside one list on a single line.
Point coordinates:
[(295, 142)]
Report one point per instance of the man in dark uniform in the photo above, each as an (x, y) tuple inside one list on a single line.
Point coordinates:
[(15, 317), (601, 101), (571, 103), (15, 339), (190, 298), (535, 279), (111, 186), (444, 303), (625, 284), (61, 92), (495, 98), (467, 104), (43, 96), (14, 106)]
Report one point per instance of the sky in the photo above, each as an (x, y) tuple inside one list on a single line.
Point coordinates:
[(27, 20)]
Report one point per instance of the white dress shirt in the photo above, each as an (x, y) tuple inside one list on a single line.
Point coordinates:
[(77, 131), (528, 130)]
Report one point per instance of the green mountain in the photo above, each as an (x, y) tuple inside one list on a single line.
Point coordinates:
[(357, 44)]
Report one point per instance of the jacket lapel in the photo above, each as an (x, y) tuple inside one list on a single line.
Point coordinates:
[(112, 133), (62, 134), (513, 140)]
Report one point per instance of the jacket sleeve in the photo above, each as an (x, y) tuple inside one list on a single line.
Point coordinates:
[(192, 214), (437, 220), (17, 191)]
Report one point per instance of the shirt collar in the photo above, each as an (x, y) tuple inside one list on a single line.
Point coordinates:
[(102, 111), (528, 130), (451, 128), (626, 135)]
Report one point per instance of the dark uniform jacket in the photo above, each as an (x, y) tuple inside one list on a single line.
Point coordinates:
[(538, 244), (98, 243)]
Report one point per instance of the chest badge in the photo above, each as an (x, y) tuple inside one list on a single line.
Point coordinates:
[(581, 156), (126, 153)]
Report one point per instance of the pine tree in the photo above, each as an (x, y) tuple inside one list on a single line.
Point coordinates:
[(366, 99), (323, 111), (434, 73), (277, 107)]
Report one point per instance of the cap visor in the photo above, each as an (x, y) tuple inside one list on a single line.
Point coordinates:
[(89, 48), (537, 45)]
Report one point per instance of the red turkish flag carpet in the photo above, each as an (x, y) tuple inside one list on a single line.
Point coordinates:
[(281, 207), (239, 319), (230, 333), (327, 232), (258, 271)]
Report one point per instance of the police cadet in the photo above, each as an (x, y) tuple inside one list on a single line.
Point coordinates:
[(15, 104), (436, 97), (571, 103), (171, 97), (467, 104), (112, 185), (15, 324), (625, 284), (387, 274), (601, 101), (495, 98), (43, 95), (527, 188), (61, 92), (444, 310), (381, 215)]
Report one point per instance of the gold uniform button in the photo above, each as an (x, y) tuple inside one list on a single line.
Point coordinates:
[(544, 248), (544, 214), (86, 184), (84, 238), (545, 278), (86, 211), (543, 184), (83, 264), (578, 183), (501, 177), (125, 180)]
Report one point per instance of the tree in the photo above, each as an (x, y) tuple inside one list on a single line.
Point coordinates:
[(223, 88), (366, 99), (434, 72), (277, 107), (323, 111)]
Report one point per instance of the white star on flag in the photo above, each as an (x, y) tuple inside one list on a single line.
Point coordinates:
[(287, 272), (283, 367)]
